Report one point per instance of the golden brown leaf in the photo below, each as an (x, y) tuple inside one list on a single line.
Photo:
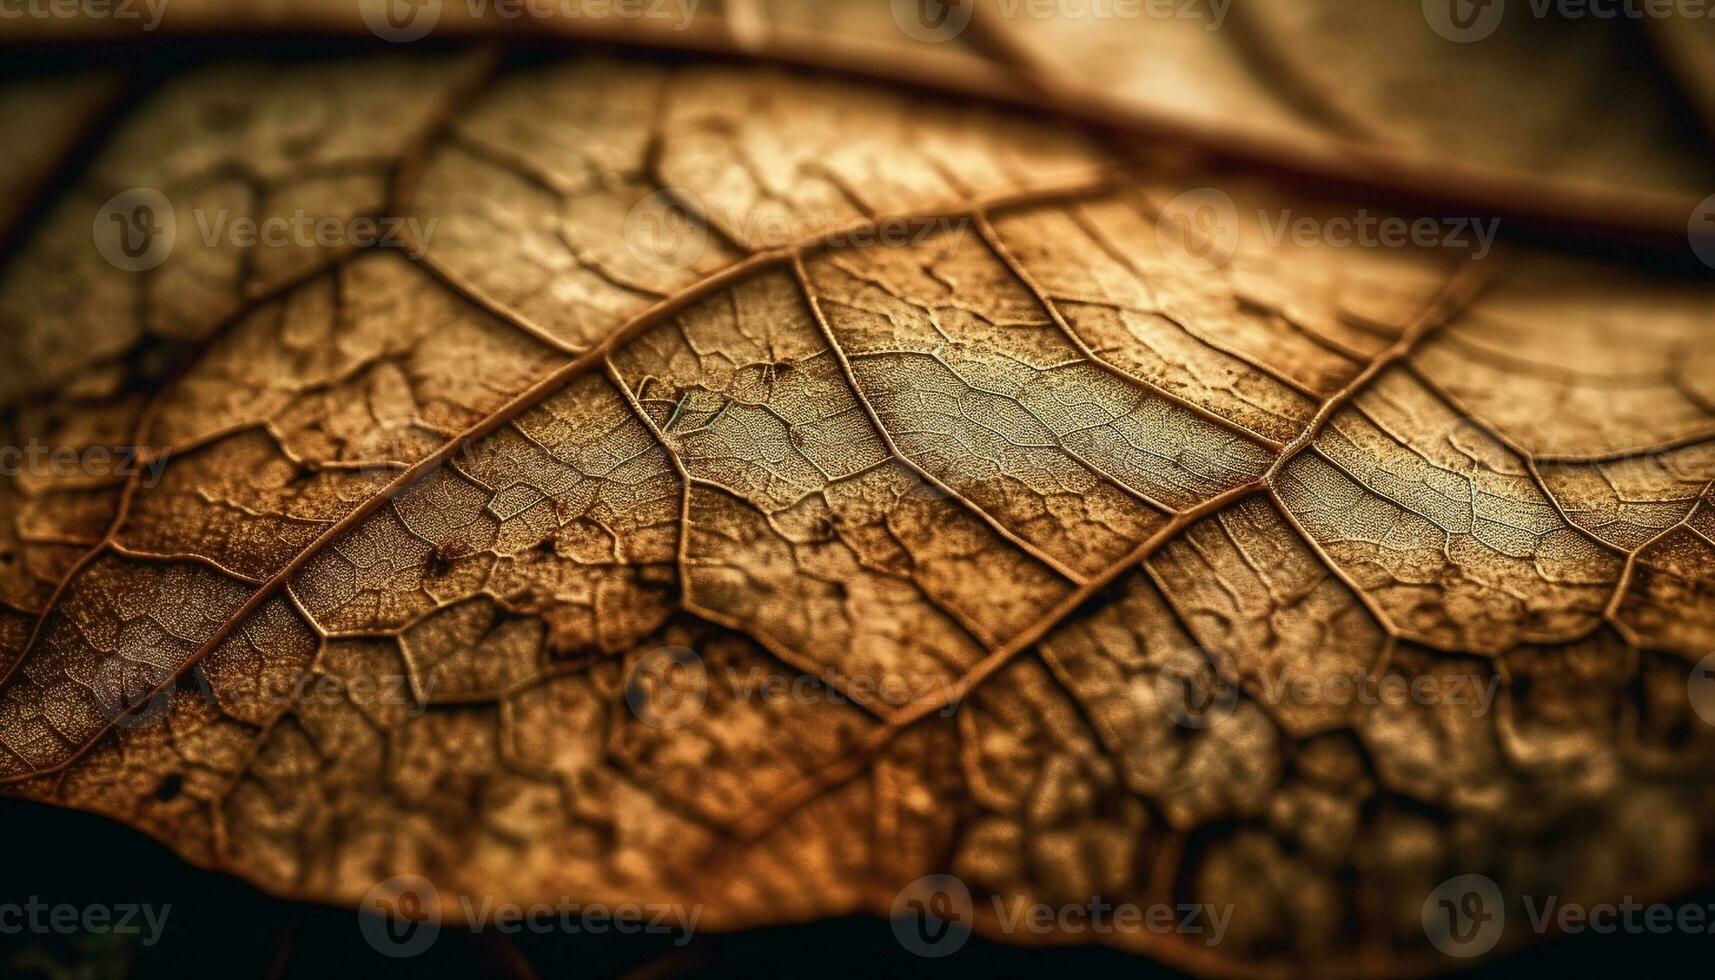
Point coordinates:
[(910, 406)]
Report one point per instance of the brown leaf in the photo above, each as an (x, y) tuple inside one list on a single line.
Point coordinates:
[(761, 488)]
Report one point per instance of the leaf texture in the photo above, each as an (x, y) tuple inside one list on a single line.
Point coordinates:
[(986, 486), (1563, 97)]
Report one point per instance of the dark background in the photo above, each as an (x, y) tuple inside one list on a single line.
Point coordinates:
[(221, 927)]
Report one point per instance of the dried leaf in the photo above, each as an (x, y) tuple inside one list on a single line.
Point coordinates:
[(920, 409)]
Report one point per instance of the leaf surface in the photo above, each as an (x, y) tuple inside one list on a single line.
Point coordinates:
[(658, 378)]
